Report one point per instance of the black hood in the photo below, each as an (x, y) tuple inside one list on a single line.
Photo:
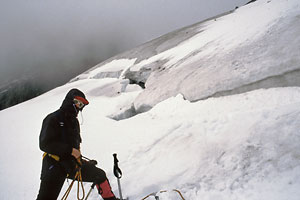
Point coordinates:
[(68, 104)]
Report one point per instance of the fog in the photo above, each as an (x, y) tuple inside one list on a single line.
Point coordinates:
[(56, 40)]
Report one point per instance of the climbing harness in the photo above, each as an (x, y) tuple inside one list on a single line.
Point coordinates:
[(162, 191), (55, 157), (77, 177)]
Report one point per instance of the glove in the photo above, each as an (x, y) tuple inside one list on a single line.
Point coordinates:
[(93, 162)]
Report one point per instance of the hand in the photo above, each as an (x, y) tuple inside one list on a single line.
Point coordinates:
[(76, 153)]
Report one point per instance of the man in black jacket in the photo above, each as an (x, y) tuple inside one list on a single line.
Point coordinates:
[(60, 140)]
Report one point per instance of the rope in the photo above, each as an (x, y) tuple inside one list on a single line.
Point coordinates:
[(92, 187), (152, 194), (77, 177), (179, 193), (82, 187), (162, 191)]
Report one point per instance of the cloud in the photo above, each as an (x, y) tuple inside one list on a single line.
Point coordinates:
[(58, 39)]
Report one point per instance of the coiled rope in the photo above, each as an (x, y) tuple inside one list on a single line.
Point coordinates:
[(77, 177)]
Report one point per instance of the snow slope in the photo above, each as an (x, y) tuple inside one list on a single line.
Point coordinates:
[(234, 147), (256, 46), (239, 146)]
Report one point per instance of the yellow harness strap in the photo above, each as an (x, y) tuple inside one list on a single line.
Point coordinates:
[(55, 157)]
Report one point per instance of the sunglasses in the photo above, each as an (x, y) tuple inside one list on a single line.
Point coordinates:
[(79, 104)]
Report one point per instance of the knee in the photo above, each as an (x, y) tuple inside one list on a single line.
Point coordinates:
[(100, 177)]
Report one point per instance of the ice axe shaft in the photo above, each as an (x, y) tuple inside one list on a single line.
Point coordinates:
[(118, 174)]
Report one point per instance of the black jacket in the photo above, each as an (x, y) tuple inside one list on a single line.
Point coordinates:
[(61, 132)]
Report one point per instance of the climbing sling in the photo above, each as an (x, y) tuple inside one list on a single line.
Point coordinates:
[(77, 177)]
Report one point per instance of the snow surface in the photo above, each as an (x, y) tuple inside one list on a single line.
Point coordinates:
[(235, 53), (235, 147), (112, 69), (229, 31), (242, 146)]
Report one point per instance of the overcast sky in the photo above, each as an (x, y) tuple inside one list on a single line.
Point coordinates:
[(59, 37)]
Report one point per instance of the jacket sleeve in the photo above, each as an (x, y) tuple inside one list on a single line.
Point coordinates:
[(50, 139)]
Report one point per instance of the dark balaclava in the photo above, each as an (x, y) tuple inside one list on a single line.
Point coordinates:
[(68, 105)]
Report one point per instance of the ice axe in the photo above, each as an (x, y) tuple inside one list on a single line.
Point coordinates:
[(118, 174)]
